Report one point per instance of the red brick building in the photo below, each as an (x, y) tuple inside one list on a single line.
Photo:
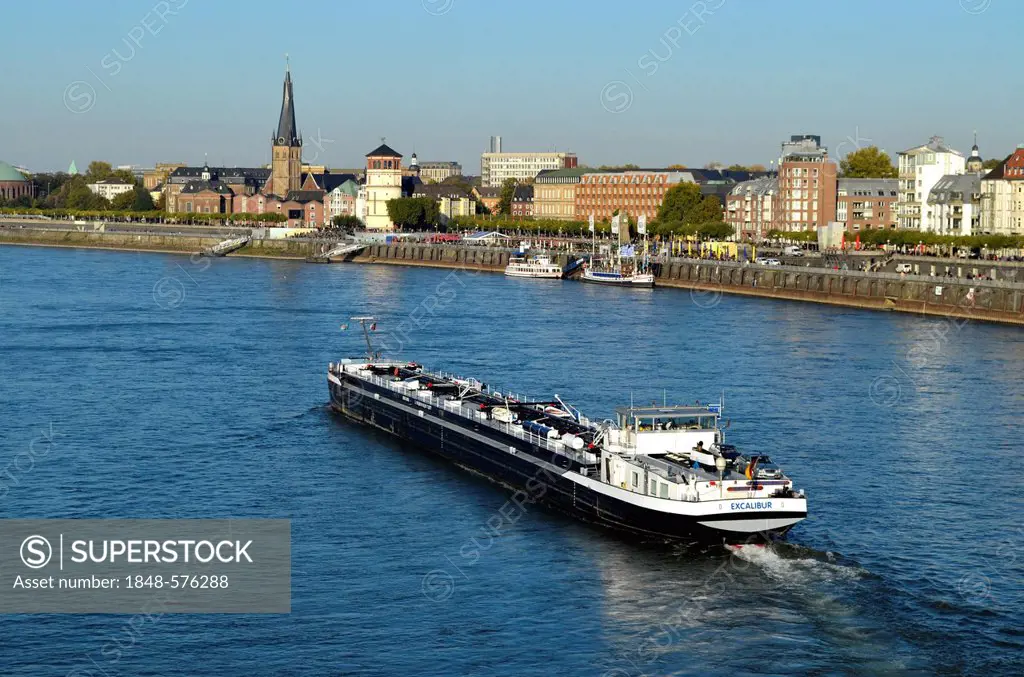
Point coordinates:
[(866, 204), (522, 202), (631, 192), (807, 184)]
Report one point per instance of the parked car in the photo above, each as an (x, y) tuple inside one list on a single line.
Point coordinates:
[(769, 262), (904, 267)]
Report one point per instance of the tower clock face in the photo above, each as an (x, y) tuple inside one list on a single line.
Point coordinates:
[(280, 140)]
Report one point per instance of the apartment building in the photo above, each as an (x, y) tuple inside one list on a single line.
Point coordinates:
[(920, 168), (496, 168), (807, 184), (751, 208), (955, 204), (1002, 197), (867, 204)]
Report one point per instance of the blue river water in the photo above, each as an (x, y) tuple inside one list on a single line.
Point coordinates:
[(150, 385)]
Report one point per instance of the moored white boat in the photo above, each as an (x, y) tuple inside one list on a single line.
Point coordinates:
[(618, 278), (533, 266)]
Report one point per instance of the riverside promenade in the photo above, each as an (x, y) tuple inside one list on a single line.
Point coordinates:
[(1000, 300)]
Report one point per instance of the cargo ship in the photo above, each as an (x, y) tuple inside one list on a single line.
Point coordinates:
[(658, 473)]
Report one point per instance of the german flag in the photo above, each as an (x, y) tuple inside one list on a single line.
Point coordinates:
[(751, 468)]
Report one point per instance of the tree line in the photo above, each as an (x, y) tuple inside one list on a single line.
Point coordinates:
[(910, 238)]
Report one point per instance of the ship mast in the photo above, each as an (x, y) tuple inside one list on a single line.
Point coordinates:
[(368, 324)]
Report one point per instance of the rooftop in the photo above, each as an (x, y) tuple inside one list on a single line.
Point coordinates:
[(954, 187), (936, 144), (9, 173), (384, 150), (561, 175)]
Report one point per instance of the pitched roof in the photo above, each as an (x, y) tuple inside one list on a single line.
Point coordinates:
[(350, 187), (438, 191), (561, 175), (765, 185), (965, 184), (384, 150), (523, 193), (9, 173), (999, 172), (936, 144), (304, 196), (488, 191), (227, 174), (869, 187), (201, 186), (287, 134)]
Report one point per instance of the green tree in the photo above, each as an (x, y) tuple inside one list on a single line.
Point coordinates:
[(346, 222), (991, 163), (619, 168), (75, 194), (142, 201), (868, 163), (715, 230), (123, 201), (122, 175), (414, 212), (709, 210), (684, 203), (98, 171), (738, 168), (508, 191)]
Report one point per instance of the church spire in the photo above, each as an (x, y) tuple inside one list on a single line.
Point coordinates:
[(287, 133)]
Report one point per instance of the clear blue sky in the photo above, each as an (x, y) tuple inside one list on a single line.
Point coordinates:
[(441, 76)]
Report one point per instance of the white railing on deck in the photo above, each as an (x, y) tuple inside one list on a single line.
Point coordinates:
[(518, 432)]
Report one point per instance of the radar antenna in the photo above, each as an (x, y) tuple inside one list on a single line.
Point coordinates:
[(368, 324)]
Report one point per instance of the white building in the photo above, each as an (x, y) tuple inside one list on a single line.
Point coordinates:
[(920, 169), (495, 168), (954, 203), (750, 207), (1002, 197), (383, 184), (110, 188)]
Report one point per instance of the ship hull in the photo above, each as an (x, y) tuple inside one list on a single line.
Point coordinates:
[(536, 476), (632, 281)]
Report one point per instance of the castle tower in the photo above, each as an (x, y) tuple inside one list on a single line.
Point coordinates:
[(383, 183), (286, 167)]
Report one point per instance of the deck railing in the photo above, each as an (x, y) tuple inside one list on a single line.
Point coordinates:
[(475, 415)]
